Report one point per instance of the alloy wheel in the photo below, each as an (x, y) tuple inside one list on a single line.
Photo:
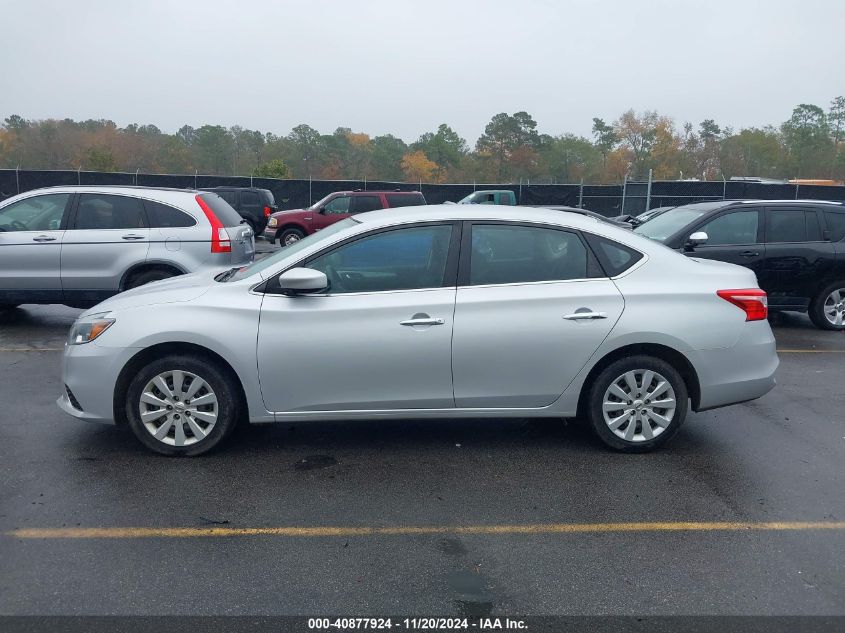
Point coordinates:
[(834, 307), (291, 238), (639, 405), (178, 408)]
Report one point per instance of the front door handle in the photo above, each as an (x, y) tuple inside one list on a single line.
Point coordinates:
[(423, 321), (44, 238), (577, 316), (749, 253), (132, 236)]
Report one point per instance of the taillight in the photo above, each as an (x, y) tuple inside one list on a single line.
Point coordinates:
[(267, 212), (220, 242), (752, 301)]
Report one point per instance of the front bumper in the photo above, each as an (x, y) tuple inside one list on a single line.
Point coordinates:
[(91, 372)]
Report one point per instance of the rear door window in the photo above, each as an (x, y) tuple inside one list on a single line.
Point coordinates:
[(97, 211), (229, 196), (792, 225), (250, 200), (362, 204), (405, 199), (504, 254)]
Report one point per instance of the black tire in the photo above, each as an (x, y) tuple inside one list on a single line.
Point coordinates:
[(816, 311), (617, 370), (146, 277), (284, 235), (227, 408)]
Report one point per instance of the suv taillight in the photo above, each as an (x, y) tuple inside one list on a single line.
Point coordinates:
[(220, 242), (752, 301), (267, 212)]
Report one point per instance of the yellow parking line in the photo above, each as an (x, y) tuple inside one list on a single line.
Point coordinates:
[(531, 528), (811, 351)]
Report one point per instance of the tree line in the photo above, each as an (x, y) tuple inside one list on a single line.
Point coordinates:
[(809, 145)]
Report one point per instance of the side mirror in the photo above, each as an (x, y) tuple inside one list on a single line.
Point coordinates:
[(697, 239), (298, 281), (321, 210)]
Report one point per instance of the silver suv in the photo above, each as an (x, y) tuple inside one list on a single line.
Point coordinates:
[(79, 245)]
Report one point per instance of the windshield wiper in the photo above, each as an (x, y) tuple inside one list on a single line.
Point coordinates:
[(225, 276)]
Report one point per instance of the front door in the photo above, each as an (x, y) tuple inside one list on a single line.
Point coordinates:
[(107, 235), (333, 211), (379, 338), (532, 307), (30, 248), (735, 237)]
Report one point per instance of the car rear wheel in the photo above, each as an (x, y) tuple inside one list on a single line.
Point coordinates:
[(181, 406), (289, 236), (827, 310), (637, 404), (146, 277)]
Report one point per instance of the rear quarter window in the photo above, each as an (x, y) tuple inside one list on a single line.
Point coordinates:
[(835, 225), (224, 212), (165, 216), (615, 258), (405, 199)]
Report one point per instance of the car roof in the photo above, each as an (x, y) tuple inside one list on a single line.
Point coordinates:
[(161, 194), (494, 212), (364, 192), (714, 205)]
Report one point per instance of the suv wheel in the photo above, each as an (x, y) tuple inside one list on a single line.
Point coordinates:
[(147, 277), (289, 236), (827, 310), (637, 404), (181, 405)]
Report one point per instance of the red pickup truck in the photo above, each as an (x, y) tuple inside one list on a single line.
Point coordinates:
[(287, 227)]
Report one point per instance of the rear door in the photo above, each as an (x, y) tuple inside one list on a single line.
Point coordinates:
[(30, 248), (734, 236), (532, 306), (107, 235), (797, 259)]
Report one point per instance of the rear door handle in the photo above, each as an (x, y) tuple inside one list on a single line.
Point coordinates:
[(44, 238), (749, 253), (423, 321), (132, 236), (577, 316)]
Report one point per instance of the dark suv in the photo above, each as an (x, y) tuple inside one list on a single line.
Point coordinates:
[(287, 227), (795, 247), (253, 204)]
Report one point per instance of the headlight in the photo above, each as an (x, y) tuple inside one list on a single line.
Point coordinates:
[(87, 329), (272, 222)]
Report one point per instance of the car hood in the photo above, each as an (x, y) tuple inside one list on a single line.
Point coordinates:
[(173, 290), (286, 212)]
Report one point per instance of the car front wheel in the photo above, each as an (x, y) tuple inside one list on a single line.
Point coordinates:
[(181, 405), (827, 310), (637, 404)]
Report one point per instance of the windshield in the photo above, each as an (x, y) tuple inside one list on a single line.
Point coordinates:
[(293, 249), (321, 202), (667, 224)]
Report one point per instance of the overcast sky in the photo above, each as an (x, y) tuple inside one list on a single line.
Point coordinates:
[(404, 67)]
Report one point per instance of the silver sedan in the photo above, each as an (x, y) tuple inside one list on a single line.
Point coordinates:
[(436, 312)]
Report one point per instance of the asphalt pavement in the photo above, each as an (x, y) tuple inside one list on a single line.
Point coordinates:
[(737, 515)]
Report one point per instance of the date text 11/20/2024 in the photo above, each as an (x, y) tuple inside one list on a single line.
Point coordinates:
[(417, 624)]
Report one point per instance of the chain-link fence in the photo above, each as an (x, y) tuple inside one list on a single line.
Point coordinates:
[(628, 198)]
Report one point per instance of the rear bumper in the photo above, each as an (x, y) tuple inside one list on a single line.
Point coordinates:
[(740, 373)]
